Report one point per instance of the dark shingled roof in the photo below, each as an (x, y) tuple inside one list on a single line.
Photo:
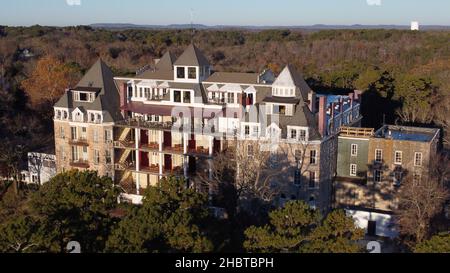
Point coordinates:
[(166, 62), (98, 77), (192, 56)]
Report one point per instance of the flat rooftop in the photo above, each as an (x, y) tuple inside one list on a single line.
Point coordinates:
[(407, 133)]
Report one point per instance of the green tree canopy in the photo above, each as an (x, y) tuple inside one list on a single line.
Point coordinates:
[(75, 206), (298, 228), (437, 244), (173, 218)]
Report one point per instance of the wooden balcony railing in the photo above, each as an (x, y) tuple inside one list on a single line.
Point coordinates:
[(357, 132)]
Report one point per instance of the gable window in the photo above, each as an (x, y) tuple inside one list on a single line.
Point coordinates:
[(192, 73), (313, 157), (279, 109), (187, 97), (398, 157), (177, 96), (293, 134), (418, 159), (354, 150), (83, 96), (353, 169), (378, 155), (302, 135), (181, 73)]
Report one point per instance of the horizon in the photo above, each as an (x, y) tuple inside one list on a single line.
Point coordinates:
[(60, 13)]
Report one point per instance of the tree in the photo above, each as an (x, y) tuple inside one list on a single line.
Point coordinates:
[(420, 199), (437, 244), (173, 218), (49, 80), (19, 235), (298, 228), (75, 206)]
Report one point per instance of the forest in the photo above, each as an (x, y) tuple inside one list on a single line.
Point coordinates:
[(404, 76)]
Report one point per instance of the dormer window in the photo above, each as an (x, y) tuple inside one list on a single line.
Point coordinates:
[(192, 73), (279, 109), (83, 96), (181, 74)]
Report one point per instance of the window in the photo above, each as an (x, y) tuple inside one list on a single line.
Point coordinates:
[(83, 97), (73, 131), (293, 134), (378, 155), (247, 130), (108, 157), (313, 157), (302, 135), (312, 180), (74, 153), (398, 178), (418, 159), (83, 133), (187, 97), (61, 132), (398, 157), (108, 135), (85, 153), (377, 175), (177, 96), (417, 177), (181, 73), (250, 151), (353, 170), (354, 150), (192, 73), (96, 157), (230, 97), (279, 109)]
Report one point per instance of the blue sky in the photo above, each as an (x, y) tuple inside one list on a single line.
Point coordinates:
[(224, 12)]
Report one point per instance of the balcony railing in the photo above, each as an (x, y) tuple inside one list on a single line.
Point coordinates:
[(124, 144), (153, 168), (79, 142), (79, 163), (177, 171), (151, 146), (178, 148), (199, 150)]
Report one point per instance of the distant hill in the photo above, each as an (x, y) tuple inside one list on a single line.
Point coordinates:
[(113, 26)]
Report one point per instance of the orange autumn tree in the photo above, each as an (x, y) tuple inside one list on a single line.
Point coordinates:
[(49, 80)]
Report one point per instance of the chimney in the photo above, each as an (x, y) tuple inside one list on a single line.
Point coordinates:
[(312, 101), (322, 115)]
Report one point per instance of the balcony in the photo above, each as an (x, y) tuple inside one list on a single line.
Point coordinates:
[(126, 166), (176, 148), (151, 146), (79, 142), (175, 171), (200, 150), (84, 164), (153, 168)]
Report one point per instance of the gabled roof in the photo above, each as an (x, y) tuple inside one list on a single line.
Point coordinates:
[(166, 62), (291, 77), (100, 78), (192, 56)]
